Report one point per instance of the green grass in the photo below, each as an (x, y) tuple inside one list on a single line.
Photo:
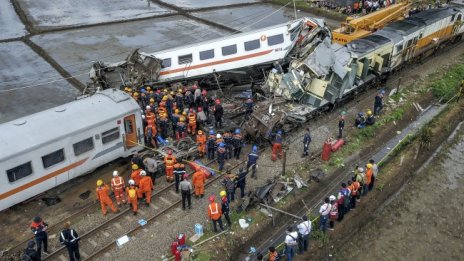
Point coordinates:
[(203, 256), (448, 85)]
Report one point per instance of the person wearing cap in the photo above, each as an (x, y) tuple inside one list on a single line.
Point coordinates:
[(237, 140), (30, 253), (324, 211), (306, 142), (304, 228), (185, 190), (215, 213), (169, 162), (253, 161), (104, 197), (135, 175), (179, 171), (211, 144), (151, 167), (145, 187), (221, 155), (192, 122), (291, 242), (118, 186), (136, 159), (196, 94), (174, 120), (360, 177), (39, 228), (199, 180), (341, 126), (179, 99), (201, 142), (132, 196), (333, 214), (378, 102), (70, 239), (277, 146), (225, 207), (218, 112), (229, 141)]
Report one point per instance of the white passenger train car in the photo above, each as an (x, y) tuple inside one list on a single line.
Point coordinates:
[(48, 148), (237, 52)]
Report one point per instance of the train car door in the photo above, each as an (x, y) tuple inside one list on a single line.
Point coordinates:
[(130, 130)]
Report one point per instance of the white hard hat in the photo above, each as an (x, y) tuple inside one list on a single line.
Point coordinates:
[(360, 169), (332, 198), (218, 136), (131, 182), (115, 173), (148, 107), (143, 117), (143, 173)]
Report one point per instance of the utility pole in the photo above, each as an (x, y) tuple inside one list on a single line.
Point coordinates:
[(284, 161), (294, 9)]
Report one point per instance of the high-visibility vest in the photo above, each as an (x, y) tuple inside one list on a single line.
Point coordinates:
[(214, 212), (132, 192), (192, 118), (169, 161), (117, 183)]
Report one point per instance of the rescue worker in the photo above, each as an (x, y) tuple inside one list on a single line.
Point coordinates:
[(229, 141), (229, 185), (70, 239), (306, 142), (192, 122), (30, 253), (180, 131), (118, 186), (341, 126), (248, 107), (333, 214), (354, 192), (370, 118), (360, 177), (218, 113), (104, 197), (369, 174), (169, 162), (291, 242), (277, 146), (225, 207), (378, 102), (360, 121), (211, 144), (39, 228), (253, 161), (273, 254), (163, 118), (135, 175), (170, 104), (199, 180), (304, 228), (324, 211), (375, 171), (149, 115), (215, 213), (350, 187), (343, 200), (145, 187), (179, 172), (185, 189), (238, 143), (152, 104), (189, 99), (175, 119), (201, 118), (201, 142), (158, 97), (151, 166), (241, 181), (137, 159), (221, 155), (205, 103), (132, 196), (196, 95), (180, 100), (150, 133)]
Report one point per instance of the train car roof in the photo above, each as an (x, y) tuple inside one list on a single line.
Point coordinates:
[(367, 44), (43, 127)]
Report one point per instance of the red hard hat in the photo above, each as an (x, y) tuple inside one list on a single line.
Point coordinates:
[(195, 86), (200, 109), (217, 101), (186, 176), (191, 109), (211, 198), (158, 91), (169, 152), (204, 92)]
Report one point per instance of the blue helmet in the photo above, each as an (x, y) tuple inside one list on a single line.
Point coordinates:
[(222, 145), (254, 149), (143, 91), (361, 114), (279, 132), (211, 132), (237, 131), (382, 92)]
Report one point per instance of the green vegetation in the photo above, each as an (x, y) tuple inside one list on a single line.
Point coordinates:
[(203, 256), (319, 236), (447, 85)]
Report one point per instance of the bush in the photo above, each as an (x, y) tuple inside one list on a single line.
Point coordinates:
[(448, 85)]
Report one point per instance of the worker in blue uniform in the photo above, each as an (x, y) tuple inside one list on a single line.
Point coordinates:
[(237, 140), (221, 155), (248, 107), (252, 161), (306, 142), (210, 144)]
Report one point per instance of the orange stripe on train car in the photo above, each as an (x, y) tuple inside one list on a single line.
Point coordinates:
[(442, 33), (243, 57), (42, 179)]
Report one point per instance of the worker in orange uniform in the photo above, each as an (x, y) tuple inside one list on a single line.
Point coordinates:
[(145, 187), (180, 130), (150, 133), (135, 175), (104, 197), (199, 180), (163, 118), (215, 213), (192, 122), (369, 174), (132, 196), (169, 162), (277, 146), (117, 186), (149, 115), (201, 142)]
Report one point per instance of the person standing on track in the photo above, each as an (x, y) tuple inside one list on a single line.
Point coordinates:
[(215, 213), (104, 197), (324, 211), (185, 190), (145, 187), (151, 166), (333, 214), (199, 180), (375, 171), (201, 142), (70, 239), (132, 196), (211, 144), (291, 242), (304, 228), (118, 188), (238, 143), (179, 172), (39, 228), (341, 126), (169, 162), (135, 175), (225, 207), (253, 161)]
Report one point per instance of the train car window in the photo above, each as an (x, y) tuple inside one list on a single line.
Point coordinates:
[(53, 158), (19, 172), (252, 45), (399, 48), (275, 39), (83, 146), (230, 49), (183, 59), (208, 54), (166, 63), (128, 126), (409, 43), (110, 135)]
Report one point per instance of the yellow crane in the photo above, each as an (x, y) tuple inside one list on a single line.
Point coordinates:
[(355, 28)]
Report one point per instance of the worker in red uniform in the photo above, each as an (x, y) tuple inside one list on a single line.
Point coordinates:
[(199, 180), (104, 197), (132, 195), (215, 213), (180, 131), (277, 146), (39, 228), (169, 162), (201, 142), (135, 175), (192, 122), (145, 187), (117, 186)]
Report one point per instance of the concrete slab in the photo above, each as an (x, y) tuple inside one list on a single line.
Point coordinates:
[(10, 25), (34, 84), (63, 13), (75, 49), (194, 4), (255, 16)]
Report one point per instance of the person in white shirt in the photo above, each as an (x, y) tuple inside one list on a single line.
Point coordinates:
[(375, 171), (324, 211), (304, 228), (290, 243)]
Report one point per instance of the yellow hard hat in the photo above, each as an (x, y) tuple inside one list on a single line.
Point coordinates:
[(136, 94), (165, 90), (152, 100), (222, 193), (182, 118), (135, 166), (179, 91), (184, 113), (129, 89), (176, 111), (369, 112), (369, 166), (148, 88), (165, 98), (172, 93), (126, 89), (99, 182)]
